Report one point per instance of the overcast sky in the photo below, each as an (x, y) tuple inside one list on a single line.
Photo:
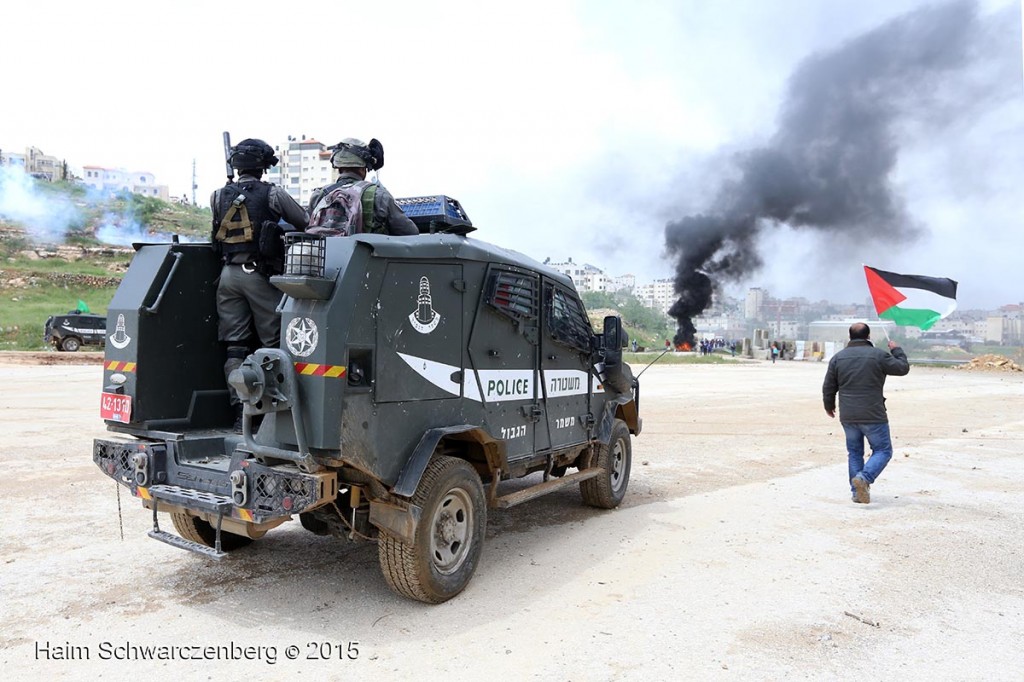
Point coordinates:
[(565, 129)]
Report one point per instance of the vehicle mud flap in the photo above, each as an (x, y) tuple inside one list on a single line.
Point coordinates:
[(608, 415), (412, 472), (214, 552)]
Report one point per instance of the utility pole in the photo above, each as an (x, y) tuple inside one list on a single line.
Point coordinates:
[(194, 185)]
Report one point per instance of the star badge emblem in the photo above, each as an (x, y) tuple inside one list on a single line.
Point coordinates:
[(301, 336)]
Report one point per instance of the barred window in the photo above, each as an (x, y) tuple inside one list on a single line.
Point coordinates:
[(567, 321), (513, 294)]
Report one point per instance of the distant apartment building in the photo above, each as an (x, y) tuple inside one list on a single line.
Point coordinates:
[(624, 282), (727, 326), (838, 331), (37, 164), (787, 329), (1006, 326), (11, 159), (304, 166), (659, 294), (752, 306), (588, 278), (585, 276), (120, 180)]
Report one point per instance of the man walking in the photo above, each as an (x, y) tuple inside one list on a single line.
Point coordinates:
[(857, 373)]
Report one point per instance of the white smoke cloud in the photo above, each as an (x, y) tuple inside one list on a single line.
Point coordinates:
[(123, 229), (46, 218)]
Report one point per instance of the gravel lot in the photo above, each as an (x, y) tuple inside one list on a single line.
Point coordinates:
[(737, 554)]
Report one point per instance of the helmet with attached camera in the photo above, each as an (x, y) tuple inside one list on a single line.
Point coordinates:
[(353, 153), (251, 154)]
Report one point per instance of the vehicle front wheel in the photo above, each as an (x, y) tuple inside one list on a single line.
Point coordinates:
[(197, 530), (449, 536), (607, 489), (70, 344)]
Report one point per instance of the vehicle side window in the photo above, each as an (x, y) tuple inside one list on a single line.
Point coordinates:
[(567, 321), (514, 295)]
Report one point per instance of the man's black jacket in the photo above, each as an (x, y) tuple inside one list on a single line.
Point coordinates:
[(858, 374)]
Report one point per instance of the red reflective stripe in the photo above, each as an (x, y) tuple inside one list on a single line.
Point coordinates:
[(117, 365), (310, 369)]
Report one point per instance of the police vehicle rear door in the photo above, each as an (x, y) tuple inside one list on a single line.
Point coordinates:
[(565, 365)]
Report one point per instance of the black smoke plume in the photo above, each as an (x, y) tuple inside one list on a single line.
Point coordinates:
[(827, 167)]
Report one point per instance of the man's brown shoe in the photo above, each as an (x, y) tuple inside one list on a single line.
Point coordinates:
[(862, 488)]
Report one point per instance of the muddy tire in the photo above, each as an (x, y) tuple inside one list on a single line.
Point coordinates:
[(607, 490), (197, 530), (449, 535), (70, 344)]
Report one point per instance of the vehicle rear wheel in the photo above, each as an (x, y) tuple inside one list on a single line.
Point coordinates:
[(70, 344), (449, 536), (197, 530), (607, 489)]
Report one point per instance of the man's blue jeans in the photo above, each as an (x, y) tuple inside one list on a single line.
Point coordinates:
[(881, 449)]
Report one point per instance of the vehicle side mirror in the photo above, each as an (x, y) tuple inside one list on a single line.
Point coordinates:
[(617, 376), (613, 340), (614, 335)]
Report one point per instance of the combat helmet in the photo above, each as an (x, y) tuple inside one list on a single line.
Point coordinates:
[(353, 153), (251, 154)]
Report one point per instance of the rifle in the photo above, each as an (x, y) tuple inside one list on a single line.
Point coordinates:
[(227, 157)]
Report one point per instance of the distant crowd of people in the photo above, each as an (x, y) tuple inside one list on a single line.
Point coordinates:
[(709, 346)]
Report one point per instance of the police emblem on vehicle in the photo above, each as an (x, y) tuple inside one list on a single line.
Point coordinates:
[(119, 339), (301, 336), (424, 319)]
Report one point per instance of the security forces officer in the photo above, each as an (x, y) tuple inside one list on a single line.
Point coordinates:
[(246, 214), (376, 208)]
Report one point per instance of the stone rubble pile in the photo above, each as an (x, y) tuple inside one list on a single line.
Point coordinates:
[(992, 363)]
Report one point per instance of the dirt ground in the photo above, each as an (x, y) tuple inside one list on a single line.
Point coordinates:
[(737, 554)]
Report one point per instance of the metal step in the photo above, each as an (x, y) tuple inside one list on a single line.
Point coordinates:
[(192, 499), (533, 492), (182, 543)]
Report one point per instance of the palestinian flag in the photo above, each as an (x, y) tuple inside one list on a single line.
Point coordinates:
[(911, 300)]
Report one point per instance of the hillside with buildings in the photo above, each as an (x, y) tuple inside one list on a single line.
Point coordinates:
[(798, 318), (49, 168), (46, 202)]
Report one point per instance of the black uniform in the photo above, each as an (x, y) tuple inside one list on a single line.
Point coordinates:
[(246, 300)]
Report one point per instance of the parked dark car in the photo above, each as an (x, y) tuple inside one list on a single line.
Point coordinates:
[(71, 331)]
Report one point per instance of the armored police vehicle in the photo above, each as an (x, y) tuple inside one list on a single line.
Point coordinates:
[(414, 377), (75, 329)]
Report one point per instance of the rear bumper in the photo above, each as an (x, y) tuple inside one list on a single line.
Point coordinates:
[(242, 489)]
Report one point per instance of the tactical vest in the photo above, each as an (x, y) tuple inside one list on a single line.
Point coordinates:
[(345, 208), (239, 226)]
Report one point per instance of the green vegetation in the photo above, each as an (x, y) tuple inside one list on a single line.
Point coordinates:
[(160, 216), (92, 209), (649, 327), (99, 265), (640, 360), (24, 309)]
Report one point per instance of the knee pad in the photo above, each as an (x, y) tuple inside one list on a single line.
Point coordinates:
[(237, 352), (235, 356)]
